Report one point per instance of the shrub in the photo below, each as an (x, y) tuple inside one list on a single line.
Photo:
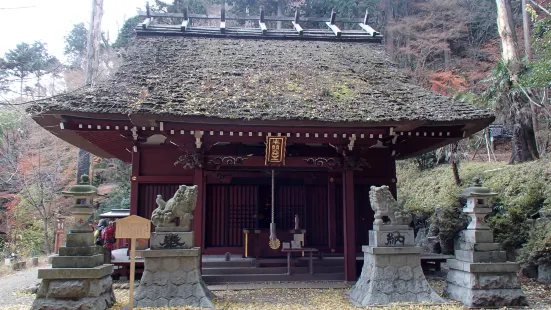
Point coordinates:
[(537, 250), (521, 192)]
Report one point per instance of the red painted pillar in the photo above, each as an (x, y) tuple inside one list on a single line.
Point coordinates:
[(393, 179), (134, 183), (332, 215), (198, 213), (349, 233)]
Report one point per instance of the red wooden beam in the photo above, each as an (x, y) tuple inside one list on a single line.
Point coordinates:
[(349, 230), (217, 162), (134, 185), (184, 179), (331, 214)]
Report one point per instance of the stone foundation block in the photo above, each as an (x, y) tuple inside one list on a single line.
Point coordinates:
[(481, 257), (76, 294), (391, 278), (483, 281), (161, 240), (486, 298), (396, 238), (80, 251), (172, 278), (483, 267), (75, 273), (80, 240), (77, 261), (477, 247), (475, 236)]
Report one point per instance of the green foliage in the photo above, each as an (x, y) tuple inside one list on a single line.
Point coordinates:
[(127, 32), (4, 83), (540, 69), (75, 43), (118, 173), (521, 192), (32, 239), (537, 251), (177, 6), (28, 59)]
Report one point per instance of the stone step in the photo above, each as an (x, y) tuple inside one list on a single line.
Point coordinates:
[(481, 257), (477, 247), (483, 267), (268, 270), (77, 261), (277, 262), (80, 251), (219, 279)]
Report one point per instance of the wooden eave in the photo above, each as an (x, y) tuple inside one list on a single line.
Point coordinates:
[(109, 135)]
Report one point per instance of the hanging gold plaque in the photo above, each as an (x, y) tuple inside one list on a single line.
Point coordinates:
[(275, 150)]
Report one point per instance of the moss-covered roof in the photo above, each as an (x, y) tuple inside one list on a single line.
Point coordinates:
[(262, 80)]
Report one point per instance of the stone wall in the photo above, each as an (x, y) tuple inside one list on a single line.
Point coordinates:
[(81, 294)]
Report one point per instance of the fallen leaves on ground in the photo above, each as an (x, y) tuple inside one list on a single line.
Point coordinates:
[(327, 299)]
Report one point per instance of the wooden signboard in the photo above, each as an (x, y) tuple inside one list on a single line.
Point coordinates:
[(275, 150), (133, 227)]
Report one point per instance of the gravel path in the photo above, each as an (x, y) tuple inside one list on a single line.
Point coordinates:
[(11, 284)]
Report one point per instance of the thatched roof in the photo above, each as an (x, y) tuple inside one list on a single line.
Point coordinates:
[(262, 80)]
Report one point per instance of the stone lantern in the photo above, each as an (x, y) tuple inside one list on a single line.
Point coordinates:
[(83, 195), (78, 278), (477, 204), (479, 275)]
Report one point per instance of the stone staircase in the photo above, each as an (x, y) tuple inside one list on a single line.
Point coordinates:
[(272, 270)]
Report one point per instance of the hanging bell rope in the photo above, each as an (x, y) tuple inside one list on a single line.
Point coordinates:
[(274, 242)]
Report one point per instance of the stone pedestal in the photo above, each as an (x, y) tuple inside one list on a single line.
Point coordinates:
[(163, 239), (78, 278), (392, 270), (172, 278), (480, 275)]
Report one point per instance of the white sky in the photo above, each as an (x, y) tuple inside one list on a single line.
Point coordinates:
[(51, 20)]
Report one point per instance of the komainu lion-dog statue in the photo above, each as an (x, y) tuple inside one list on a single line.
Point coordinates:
[(180, 206), (385, 205)]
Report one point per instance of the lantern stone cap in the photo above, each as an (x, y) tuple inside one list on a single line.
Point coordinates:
[(82, 189), (477, 190)]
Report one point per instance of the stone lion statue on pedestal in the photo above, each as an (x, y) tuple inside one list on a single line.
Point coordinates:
[(385, 205), (180, 206)]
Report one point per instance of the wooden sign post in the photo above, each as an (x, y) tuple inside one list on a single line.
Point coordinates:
[(133, 227)]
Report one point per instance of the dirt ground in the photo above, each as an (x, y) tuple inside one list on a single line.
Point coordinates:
[(539, 297), (12, 296)]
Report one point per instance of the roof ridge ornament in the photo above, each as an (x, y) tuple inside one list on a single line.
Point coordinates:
[(329, 33)]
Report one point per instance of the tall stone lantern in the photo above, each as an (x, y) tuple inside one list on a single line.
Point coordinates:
[(480, 275), (83, 195), (78, 279)]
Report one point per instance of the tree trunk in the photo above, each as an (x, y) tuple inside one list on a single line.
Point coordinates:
[(389, 19), (46, 236), (453, 162), (527, 32), (528, 54), (92, 51), (524, 140), (83, 164)]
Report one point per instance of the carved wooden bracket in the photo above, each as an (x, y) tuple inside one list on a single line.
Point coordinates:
[(356, 163), (324, 162), (221, 161), (190, 160)]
